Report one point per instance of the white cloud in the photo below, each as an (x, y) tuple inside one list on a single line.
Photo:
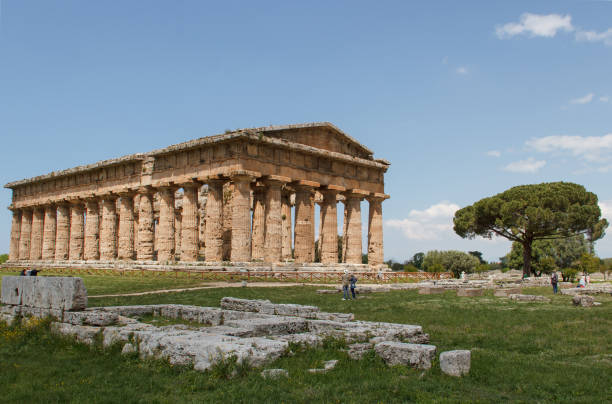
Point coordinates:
[(461, 70), (494, 153), (593, 36), (583, 100), (604, 98), (591, 148), (429, 224), (536, 25), (525, 166)]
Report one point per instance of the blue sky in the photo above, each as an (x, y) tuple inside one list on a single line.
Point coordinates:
[(464, 98)]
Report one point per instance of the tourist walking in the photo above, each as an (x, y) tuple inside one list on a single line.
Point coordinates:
[(554, 280), (345, 285), (353, 281)]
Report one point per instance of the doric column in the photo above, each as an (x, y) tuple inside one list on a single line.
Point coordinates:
[(125, 248), (241, 219), (146, 231), (49, 232), (165, 247), (213, 242), (259, 220), (353, 226), (228, 197), (92, 230), (108, 229), (15, 235), (62, 238), (189, 223), (274, 222), (375, 230), (328, 238), (38, 217), (77, 231), (287, 222), (25, 237), (304, 224)]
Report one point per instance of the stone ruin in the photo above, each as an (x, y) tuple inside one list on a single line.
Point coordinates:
[(257, 331)]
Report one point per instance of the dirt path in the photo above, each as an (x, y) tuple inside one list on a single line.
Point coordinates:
[(214, 285)]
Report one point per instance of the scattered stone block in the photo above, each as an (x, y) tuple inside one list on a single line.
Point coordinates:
[(469, 292), (455, 363), (583, 300), (81, 333), (507, 292), (128, 349), (357, 351), (529, 298), (430, 291), (96, 318), (58, 293), (327, 291), (327, 366), (274, 373), (418, 356)]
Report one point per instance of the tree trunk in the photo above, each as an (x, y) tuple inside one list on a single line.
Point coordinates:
[(526, 259)]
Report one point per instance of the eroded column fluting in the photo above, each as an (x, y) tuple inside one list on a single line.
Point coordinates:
[(353, 228), (25, 237), (287, 224), (273, 222), (92, 230), (165, 247), (241, 219), (375, 232), (304, 224), (213, 243), (49, 232), (108, 228), (38, 217), (62, 238), (328, 238), (15, 235), (125, 248), (146, 231), (259, 220), (77, 231), (189, 223)]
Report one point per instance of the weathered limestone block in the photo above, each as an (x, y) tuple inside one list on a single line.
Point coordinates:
[(94, 318), (272, 326), (431, 291), (296, 310), (77, 235), (60, 293), (49, 232), (256, 306), (469, 292), (507, 292), (340, 317), (529, 298), (274, 373), (357, 351), (15, 234), (583, 300), (306, 339), (38, 216), (25, 236), (327, 366), (455, 363), (189, 224), (213, 244), (375, 232), (82, 333), (418, 356)]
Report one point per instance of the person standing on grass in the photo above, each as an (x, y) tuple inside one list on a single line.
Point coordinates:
[(554, 280), (345, 285), (353, 281)]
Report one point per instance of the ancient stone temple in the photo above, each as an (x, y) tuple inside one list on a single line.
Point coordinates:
[(244, 196)]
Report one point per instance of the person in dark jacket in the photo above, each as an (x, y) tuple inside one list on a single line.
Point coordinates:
[(353, 281)]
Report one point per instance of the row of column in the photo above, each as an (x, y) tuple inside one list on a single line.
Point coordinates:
[(92, 229)]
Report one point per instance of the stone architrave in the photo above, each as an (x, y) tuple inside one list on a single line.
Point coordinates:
[(15, 234), (125, 247), (286, 225), (328, 237), (375, 230), (92, 230), (189, 223), (213, 243), (62, 237), (273, 223), (146, 231), (25, 237), (108, 230), (77, 231), (49, 232), (304, 226), (353, 227), (259, 220), (241, 218), (38, 217), (165, 246)]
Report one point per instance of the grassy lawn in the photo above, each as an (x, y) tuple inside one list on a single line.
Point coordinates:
[(521, 352)]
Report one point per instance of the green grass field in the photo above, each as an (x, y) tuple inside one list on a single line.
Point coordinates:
[(521, 352)]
